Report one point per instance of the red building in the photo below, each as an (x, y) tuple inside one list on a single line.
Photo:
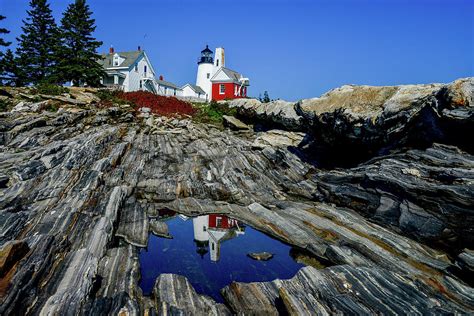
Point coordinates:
[(228, 84)]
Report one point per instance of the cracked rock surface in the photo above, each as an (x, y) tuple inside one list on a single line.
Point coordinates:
[(81, 188)]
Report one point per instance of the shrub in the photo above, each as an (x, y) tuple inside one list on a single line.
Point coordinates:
[(167, 106), (52, 107), (109, 98), (49, 89), (107, 94), (213, 112)]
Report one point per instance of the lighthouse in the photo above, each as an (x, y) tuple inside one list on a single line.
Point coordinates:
[(205, 71), (215, 80)]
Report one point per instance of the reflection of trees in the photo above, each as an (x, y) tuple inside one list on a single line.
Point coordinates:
[(303, 256), (166, 213)]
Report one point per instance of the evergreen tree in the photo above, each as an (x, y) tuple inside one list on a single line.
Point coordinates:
[(38, 44), (3, 31), (3, 60), (266, 98), (10, 73), (78, 55)]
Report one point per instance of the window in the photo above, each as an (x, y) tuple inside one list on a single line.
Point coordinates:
[(218, 222), (144, 69), (217, 62), (116, 79), (166, 90), (136, 68), (208, 75), (235, 90), (174, 91), (221, 89), (141, 85)]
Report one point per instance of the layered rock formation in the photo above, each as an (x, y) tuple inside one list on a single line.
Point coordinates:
[(367, 121), (81, 189), (426, 194)]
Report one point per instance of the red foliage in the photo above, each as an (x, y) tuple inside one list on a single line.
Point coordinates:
[(167, 106)]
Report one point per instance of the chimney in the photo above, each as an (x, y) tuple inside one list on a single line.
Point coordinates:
[(139, 49), (219, 58), (111, 50), (161, 77)]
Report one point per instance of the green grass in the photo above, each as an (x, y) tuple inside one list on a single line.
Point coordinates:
[(212, 112)]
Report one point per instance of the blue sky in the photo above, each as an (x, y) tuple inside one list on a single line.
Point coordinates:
[(292, 48)]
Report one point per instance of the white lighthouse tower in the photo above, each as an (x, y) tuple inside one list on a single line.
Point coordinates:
[(205, 72)]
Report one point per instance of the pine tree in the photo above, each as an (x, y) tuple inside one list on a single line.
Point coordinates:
[(10, 73), (3, 60), (3, 31), (38, 44), (79, 56), (266, 98)]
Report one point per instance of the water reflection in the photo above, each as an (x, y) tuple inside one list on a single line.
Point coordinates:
[(212, 230), (211, 251), (165, 213)]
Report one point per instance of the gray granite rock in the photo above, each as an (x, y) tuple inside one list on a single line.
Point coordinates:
[(174, 295), (260, 256), (278, 138), (10, 253), (466, 261), (134, 224), (234, 123), (404, 190), (159, 228), (81, 196), (368, 120), (339, 290), (277, 113)]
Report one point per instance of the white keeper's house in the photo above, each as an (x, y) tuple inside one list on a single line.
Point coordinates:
[(133, 71)]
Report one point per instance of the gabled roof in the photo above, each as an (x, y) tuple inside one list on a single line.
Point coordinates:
[(231, 74), (107, 60), (167, 84), (195, 88)]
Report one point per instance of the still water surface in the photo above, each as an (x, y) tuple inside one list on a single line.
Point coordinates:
[(211, 251)]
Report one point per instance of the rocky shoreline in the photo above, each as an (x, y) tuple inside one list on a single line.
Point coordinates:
[(80, 189)]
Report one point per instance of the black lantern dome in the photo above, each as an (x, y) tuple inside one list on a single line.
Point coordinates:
[(206, 56)]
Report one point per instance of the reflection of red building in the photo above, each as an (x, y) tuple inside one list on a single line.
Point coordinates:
[(211, 230), (221, 221)]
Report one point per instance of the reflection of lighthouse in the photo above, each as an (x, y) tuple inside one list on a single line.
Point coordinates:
[(211, 230), (201, 237)]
